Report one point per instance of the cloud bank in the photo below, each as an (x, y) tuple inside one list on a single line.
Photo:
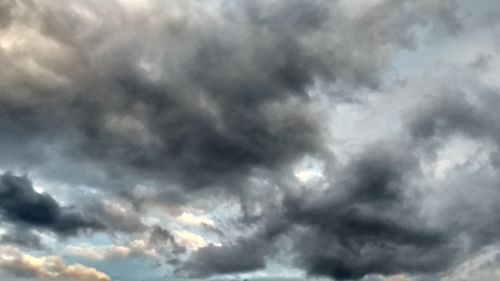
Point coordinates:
[(349, 140)]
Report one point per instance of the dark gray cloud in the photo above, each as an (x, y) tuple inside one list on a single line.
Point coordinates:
[(454, 111), (115, 216), (374, 218), (159, 238), (197, 118), (184, 97), (372, 221), (368, 223), (464, 111), (20, 203), (244, 255), (201, 101)]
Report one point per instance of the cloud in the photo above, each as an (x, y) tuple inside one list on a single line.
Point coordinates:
[(188, 239), (19, 264), (22, 237), (20, 203), (452, 110), (384, 210), (229, 94), (6, 8), (157, 243), (482, 266), (195, 220), (26, 209), (367, 223), (115, 215), (397, 278), (135, 248), (214, 104), (242, 256)]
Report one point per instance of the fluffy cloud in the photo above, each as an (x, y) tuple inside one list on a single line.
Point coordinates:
[(189, 239), (195, 220), (20, 264)]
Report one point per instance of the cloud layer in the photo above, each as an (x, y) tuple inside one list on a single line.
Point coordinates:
[(350, 140)]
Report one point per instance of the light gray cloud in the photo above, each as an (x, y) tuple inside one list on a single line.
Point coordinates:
[(22, 237)]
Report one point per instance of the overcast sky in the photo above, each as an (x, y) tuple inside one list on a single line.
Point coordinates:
[(269, 140)]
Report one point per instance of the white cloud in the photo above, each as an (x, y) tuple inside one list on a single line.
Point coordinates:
[(188, 239), (192, 219)]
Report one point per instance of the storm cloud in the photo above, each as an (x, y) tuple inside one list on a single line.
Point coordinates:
[(210, 97), (368, 223), (350, 140), (243, 256), (20, 203)]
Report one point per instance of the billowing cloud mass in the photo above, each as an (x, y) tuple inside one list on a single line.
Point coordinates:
[(336, 139)]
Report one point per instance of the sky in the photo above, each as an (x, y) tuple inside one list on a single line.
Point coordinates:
[(266, 140)]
